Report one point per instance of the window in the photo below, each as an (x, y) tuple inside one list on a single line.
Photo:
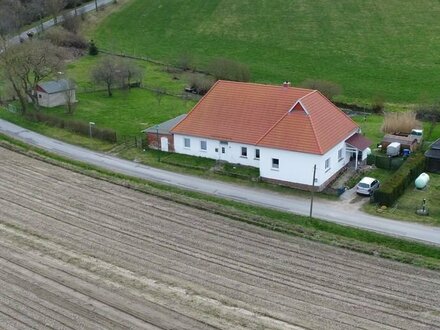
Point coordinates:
[(203, 145), (223, 150), (187, 143), (257, 153), (327, 164), (243, 152), (340, 155), (275, 163)]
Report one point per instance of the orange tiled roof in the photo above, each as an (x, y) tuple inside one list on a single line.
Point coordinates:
[(273, 116)]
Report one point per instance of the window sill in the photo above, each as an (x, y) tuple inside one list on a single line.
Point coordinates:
[(187, 148), (243, 156), (340, 159), (275, 169), (256, 158), (201, 150), (327, 170)]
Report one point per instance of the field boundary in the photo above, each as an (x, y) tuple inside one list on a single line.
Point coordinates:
[(406, 251)]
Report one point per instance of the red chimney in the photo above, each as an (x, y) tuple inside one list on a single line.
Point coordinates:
[(286, 84)]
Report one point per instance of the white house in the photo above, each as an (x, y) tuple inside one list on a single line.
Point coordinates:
[(54, 93), (284, 131)]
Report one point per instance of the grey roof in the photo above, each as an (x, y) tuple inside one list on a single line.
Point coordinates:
[(165, 127), (434, 151), (56, 86)]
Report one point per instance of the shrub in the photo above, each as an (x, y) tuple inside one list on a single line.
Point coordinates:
[(200, 83), (71, 23), (93, 49), (185, 62), (327, 88), (400, 122), (395, 185), (75, 126), (378, 104), (222, 68), (63, 38)]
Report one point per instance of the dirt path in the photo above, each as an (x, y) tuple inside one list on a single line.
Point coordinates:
[(76, 252)]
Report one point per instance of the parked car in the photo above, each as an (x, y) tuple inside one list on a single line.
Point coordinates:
[(367, 186)]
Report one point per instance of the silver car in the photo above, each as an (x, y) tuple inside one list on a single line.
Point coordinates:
[(367, 186)]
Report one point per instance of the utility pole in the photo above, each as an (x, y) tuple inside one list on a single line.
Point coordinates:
[(313, 190), (96, 5)]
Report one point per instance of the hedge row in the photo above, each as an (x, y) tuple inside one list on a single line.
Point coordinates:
[(396, 184), (74, 126), (385, 162)]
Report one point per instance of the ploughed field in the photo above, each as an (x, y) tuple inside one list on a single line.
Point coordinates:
[(77, 252)]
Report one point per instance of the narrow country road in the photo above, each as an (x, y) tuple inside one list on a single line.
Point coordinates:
[(49, 23), (334, 211)]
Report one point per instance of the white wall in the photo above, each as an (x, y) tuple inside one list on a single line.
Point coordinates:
[(232, 150), (53, 100), (294, 167), (298, 167)]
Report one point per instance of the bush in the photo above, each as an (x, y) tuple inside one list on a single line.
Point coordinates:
[(378, 104), (74, 126), (327, 88), (71, 23), (225, 69), (395, 185), (200, 83), (93, 49), (63, 38)]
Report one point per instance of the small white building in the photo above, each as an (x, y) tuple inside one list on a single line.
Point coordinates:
[(283, 131), (54, 93)]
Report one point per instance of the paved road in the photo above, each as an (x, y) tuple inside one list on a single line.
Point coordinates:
[(341, 212), (47, 24)]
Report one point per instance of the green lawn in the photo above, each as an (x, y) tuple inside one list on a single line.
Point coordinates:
[(406, 206), (369, 47)]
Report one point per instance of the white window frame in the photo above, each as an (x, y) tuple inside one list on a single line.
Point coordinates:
[(257, 151), (275, 164), (187, 143), (203, 143), (340, 154), (244, 152), (327, 164)]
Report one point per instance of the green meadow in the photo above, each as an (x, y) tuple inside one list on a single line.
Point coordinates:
[(389, 48)]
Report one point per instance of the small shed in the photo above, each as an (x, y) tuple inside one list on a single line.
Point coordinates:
[(56, 92), (159, 136), (406, 141), (433, 157)]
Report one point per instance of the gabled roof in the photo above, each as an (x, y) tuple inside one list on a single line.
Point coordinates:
[(273, 116), (55, 86)]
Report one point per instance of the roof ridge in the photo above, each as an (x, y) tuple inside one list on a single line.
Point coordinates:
[(195, 107)]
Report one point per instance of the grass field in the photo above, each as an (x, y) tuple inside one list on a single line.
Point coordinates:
[(369, 47)]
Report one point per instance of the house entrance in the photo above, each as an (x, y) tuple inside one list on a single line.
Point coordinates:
[(164, 143)]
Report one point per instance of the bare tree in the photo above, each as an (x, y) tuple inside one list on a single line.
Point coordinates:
[(107, 72), (130, 72), (27, 64), (69, 96), (11, 18), (159, 93)]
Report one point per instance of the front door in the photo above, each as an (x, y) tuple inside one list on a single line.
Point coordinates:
[(164, 143)]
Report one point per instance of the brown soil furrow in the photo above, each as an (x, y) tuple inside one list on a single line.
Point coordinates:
[(354, 310), (254, 277)]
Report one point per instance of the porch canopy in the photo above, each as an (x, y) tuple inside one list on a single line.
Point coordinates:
[(357, 143)]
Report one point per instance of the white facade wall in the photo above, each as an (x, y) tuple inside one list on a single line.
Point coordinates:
[(293, 166), (232, 150), (53, 100), (297, 167)]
